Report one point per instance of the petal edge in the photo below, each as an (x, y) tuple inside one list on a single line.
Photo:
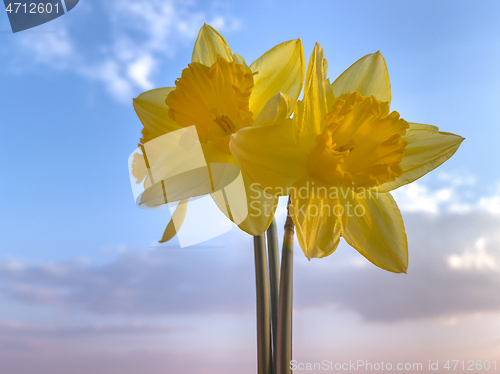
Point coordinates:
[(281, 69), (427, 149), (368, 75), (208, 44)]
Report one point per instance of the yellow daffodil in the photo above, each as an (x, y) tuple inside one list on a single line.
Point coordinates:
[(339, 157), (219, 95)]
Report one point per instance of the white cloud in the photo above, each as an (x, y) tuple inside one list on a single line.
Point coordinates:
[(53, 48), (456, 180), (109, 73), (135, 39), (476, 259), (417, 197), (221, 23), (140, 71), (455, 194), (491, 203)]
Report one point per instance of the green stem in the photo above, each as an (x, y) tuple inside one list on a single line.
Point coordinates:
[(274, 275), (285, 309), (263, 307)]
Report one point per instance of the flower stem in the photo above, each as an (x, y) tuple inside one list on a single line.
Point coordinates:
[(285, 308), (274, 275), (263, 307)]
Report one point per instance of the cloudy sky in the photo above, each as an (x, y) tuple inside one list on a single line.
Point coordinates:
[(84, 286)]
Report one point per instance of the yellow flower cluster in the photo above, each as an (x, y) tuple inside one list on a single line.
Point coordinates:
[(341, 137)]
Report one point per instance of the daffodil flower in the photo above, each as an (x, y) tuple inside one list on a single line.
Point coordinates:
[(339, 157), (220, 95)]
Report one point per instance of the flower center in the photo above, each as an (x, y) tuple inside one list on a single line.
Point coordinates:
[(214, 99), (361, 145), (225, 124)]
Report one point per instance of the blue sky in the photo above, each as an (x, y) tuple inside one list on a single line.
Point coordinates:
[(81, 276)]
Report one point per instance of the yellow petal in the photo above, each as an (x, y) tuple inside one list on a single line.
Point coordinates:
[(175, 222), (276, 110), (368, 75), (270, 156), (246, 205), (153, 112), (309, 117), (375, 229), (281, 69), (208, 44), (318, 219), (427, 149)]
